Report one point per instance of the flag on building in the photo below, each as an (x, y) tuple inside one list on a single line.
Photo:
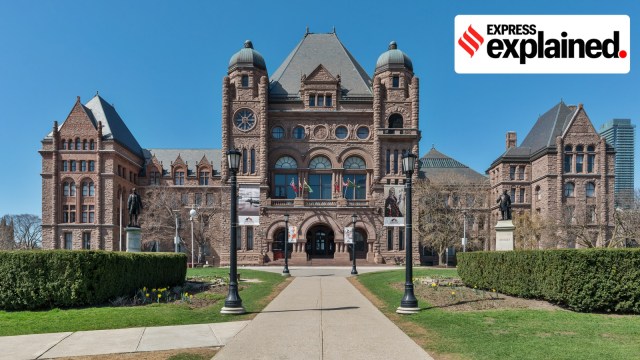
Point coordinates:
[(336, 186), (293, 186), (307, 187)]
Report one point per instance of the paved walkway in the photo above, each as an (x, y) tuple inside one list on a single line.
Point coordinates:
[(320, 315), (48, 346)]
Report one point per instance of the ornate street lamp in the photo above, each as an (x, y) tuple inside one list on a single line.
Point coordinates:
[(285, 272), (353, 244), (233, 302), (409, 303), (192, 214)]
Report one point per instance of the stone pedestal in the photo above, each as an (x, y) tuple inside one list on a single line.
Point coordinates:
[(134, 239), (504, 235)]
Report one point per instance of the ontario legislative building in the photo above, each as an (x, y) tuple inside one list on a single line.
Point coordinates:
[(320, 140)]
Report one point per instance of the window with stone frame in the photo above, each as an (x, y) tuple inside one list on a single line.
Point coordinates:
[(395, 81), (184, 199), (395, 122), (512, 172), (538, 193), (298, 133), (85, 145), (72, 165), (521, 198), (285, 174), (78, 144), (568, 159), (204, 177), (249, 237), (320, 178), (68, 213), (355, 176), (154, 177), (591, 158), (277, 132), (590, 189), (178, 178), (579, 158), (88, 214), (65, 165), (209, 199), (198, 199), (244, 82), (68, 241), (569, 214), (245, 161), (92, 145), (521, 172), (86, 240), (83, 166), (390, 238), (591, 214), (388, 161), (569, 190), (63, 145), (512, 194), (92, 165), (401, 239)]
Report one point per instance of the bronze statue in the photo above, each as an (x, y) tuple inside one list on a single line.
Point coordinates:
[(134, 204), (505, 205)]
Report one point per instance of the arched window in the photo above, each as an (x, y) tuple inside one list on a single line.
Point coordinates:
[(63, 145), (395, 122), (320, 162), (78, 144), (92, 145), (285, 178), (355, 178), (286, 162), (590, 190), (66, 191), (569, 189), (579, 158), (568, 158), (92, 189), (85, 188), (85, 145), (591, 158), (538, 193), (320, 178), (245, 161)]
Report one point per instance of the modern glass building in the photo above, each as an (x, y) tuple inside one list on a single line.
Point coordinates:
[(621, 134)]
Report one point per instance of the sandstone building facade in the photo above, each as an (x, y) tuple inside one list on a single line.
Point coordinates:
[(319, 122), (562, 174)]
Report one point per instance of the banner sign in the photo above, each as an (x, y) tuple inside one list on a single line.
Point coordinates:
[(394, 205), (293, 234), (348, 235), (249, 205)]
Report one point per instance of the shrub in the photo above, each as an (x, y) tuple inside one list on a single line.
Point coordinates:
[(583, 280), (62, 278)]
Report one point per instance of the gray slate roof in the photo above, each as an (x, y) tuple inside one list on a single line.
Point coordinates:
[(113, 127), (311, 51), (435, 165), (190, 156), (544, 132)]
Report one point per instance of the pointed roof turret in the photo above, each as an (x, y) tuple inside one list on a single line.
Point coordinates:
[(247, 57), (320, 49)]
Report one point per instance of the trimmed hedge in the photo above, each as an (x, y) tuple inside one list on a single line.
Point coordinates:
[(588, 280), (62, 278)]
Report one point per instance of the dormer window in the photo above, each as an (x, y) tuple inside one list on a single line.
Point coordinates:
[(320, 100), (245, 81), (328, 100), (312, 100), (395, 81)]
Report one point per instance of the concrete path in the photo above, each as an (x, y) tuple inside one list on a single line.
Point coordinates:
[(81, 343), (320, 315)]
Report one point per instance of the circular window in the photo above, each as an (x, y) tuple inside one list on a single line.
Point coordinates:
[(245, 119), (298, 132), (277, 132), (363, 132), (341, 132)]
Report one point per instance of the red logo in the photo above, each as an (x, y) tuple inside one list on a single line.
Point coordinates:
[(471, 39)]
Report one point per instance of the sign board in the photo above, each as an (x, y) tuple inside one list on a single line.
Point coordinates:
[(292, 236), (348, 235), (249, 205), (394, 205)]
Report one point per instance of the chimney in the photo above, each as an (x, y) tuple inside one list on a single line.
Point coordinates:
[(512, 139)]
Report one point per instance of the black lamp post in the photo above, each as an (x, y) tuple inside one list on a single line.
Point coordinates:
[(409, 303), (233, 302), (285, 272), (353, 244)]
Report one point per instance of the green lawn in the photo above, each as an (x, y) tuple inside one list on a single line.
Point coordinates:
[(254, 297), (510, 334)]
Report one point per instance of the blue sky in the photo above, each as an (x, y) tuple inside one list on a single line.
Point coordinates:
[(161, 64)]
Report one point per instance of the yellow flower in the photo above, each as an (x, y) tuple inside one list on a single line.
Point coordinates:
[(190, 296), (154, 290), (434, 284), (147, 295), (494, 290), (453, 293), (186, 294), (159, 295), (475, 287), (144, 289)]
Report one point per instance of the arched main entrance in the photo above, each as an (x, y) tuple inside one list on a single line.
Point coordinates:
[(320, 243)]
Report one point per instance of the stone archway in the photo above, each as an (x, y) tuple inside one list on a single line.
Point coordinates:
[(320, 242)]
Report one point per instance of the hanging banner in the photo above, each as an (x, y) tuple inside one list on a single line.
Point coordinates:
[(249, 205), (293, 234), (348, 235), (394, 205)]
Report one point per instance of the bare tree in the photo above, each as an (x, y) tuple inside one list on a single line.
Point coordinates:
[(27, 231), (7, 238), (443, 202), (627, 223)]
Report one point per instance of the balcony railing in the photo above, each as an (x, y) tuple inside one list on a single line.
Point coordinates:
[(320, 203), (281, 202), (398, 132), (357, 203), (317, 203)]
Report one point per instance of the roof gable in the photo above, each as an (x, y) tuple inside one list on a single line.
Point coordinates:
[(79, 120), (320, 74), (113, 127), (579, 123), (311, 51)]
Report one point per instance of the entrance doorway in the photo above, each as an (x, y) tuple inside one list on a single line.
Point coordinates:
[(320, 243), (278, 246), (360, 237)]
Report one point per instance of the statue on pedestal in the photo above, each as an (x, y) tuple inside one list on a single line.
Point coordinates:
[(134, 205), (505, 205)]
